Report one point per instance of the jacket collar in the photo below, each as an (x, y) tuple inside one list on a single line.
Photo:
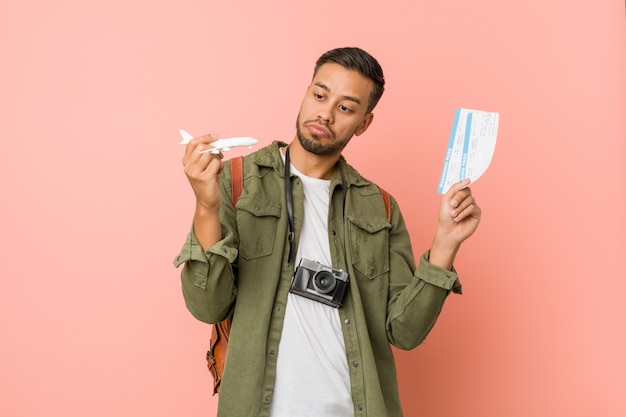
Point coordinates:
[(269, 157)]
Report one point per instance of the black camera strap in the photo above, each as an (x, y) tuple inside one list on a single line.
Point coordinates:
[(291, 237)]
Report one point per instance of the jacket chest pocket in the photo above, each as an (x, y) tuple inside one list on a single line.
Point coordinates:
[(369, 246), (259, 220)]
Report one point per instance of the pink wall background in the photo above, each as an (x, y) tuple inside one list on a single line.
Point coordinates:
[(95, 204)]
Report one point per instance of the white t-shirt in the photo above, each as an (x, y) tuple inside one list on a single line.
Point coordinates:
[(312, 375)]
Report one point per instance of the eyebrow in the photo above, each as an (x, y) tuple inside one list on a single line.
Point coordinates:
[(326, 88)]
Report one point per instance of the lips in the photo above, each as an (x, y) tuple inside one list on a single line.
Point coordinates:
[(318, 130)]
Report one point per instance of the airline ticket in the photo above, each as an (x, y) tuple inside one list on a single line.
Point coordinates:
[(470, 148)]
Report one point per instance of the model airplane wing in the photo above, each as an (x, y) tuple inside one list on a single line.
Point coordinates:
[(221, 145)]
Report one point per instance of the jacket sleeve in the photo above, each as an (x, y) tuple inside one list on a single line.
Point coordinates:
[(208, 277), (414, 304)]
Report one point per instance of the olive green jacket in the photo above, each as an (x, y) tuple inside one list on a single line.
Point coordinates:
[(388, 301)]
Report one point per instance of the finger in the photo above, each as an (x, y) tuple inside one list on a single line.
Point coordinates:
[(205, 164), (472, 211), (217, 166), (197, 144), (202, 159), (461, 208), (208, 138), (214, 164), (458, 192)]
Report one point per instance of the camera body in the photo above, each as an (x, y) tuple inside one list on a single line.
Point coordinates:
[(319, 282)]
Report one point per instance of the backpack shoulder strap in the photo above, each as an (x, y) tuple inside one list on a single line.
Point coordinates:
[(216, 356), (387, 200), (236, 179)]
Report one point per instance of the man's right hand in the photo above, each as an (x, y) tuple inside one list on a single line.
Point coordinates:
[(203, 172)]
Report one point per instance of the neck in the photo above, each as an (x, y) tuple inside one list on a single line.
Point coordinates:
[(315, 166)]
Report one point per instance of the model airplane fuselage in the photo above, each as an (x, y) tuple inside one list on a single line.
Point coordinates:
[(221, 145)]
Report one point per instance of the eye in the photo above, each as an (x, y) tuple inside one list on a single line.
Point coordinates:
[(318, 96), (344, 108)]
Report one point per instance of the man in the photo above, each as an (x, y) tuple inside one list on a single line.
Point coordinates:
[(296, 348)]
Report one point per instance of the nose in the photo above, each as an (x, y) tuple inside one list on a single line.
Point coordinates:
[(325, 113)]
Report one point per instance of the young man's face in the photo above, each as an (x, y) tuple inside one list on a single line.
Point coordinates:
[(334, 109)]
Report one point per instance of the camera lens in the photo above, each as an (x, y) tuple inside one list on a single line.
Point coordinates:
[(324, 282)]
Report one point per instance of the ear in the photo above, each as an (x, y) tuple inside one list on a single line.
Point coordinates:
[(367, 121)]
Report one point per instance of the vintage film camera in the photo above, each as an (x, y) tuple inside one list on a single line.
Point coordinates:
[(319, 282)]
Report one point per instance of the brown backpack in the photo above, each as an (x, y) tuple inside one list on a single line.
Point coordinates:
[(216, 355)]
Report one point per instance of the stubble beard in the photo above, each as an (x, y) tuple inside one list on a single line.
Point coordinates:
[(314, 146)]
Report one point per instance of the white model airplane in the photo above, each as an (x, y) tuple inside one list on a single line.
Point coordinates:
[(221, 145)]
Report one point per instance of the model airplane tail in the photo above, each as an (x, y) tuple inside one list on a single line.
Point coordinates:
[(186, 137)]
